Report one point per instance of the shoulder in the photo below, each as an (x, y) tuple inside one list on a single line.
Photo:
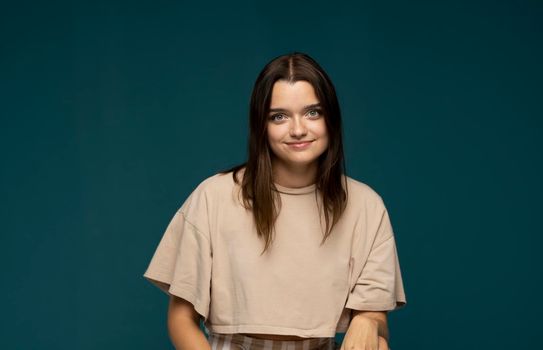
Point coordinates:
[(216, 183), (214, 187), (367, 205), (205, 197), (360, 193)]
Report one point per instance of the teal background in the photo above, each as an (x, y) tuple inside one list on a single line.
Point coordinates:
[(113, 111)]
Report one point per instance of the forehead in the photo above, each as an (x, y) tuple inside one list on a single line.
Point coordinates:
[(292, 95)]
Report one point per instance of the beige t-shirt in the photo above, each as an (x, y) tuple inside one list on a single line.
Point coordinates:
[(210, 256)]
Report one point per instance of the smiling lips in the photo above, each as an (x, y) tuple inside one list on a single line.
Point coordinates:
[(299, 145)]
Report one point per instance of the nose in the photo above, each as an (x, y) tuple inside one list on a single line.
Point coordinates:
[(298, 128)]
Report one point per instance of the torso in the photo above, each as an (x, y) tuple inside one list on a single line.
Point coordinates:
[(274, 336)]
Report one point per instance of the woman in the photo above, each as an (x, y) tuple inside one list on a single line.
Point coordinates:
[(284, 250)]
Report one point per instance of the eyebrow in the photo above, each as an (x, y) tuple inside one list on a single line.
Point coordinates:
[(305, 108)]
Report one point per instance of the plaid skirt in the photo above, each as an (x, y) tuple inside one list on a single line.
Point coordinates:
[(238, 341)]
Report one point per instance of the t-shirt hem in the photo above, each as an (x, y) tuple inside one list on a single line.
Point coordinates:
[(385, 306), (306, 333), (191, 297), (180, 292), (155, 276)]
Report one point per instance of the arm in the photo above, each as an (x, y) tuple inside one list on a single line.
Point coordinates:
[(183, 326), (368, 329), (378, 316)]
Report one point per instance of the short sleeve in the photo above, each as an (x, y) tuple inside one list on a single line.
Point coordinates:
[(183, 257), (378, 284)]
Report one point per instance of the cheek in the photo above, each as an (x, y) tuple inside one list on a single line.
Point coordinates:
[(320, 127), (273, 135), (321, 131)]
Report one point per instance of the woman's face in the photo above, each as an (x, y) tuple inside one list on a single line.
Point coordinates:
[(296, 116)]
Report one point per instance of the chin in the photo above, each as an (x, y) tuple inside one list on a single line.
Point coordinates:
[(303, 161)]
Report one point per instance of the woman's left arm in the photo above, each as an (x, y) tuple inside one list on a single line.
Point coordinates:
[(367, 330)]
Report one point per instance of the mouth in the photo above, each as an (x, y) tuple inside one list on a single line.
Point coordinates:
[(299, 145)]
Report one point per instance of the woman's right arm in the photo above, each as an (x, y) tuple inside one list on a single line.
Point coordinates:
[(184, 326)]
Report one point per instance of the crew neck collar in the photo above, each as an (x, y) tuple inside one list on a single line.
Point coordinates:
[(295, 190)]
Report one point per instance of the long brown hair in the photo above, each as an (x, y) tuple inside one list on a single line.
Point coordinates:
[(257, 187)]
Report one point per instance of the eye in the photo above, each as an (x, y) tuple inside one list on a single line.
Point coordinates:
[(273, 117), (315, 112)]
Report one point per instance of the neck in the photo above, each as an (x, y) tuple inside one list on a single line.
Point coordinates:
[(294, 176)]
